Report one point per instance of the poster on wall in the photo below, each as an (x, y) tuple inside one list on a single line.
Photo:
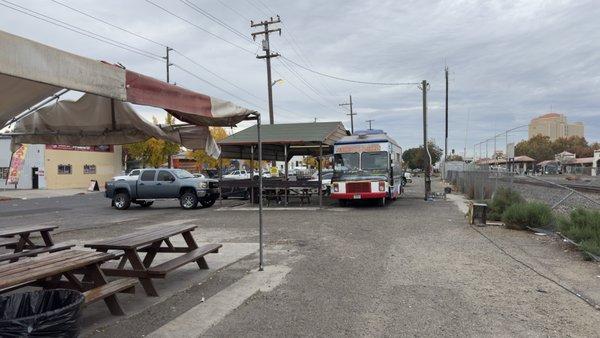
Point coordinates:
[(16, 165)]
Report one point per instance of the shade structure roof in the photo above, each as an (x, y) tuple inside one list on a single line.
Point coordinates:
[(300, 138), (31, 72)]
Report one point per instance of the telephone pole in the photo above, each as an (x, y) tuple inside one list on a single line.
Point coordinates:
[(169, 64), (446, 140), (369, 122), (351, 114), (268, 55), (427, 169)]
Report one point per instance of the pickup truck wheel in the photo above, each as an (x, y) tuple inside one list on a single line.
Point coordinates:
[(188, 200), (122, 201), (207, 202)]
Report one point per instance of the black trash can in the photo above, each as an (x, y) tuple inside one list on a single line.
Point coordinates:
[(46, 313)]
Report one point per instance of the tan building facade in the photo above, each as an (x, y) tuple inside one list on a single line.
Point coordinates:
[(75, 167), (555, 126)]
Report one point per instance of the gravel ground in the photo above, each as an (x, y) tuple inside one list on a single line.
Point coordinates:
[(411, 268)]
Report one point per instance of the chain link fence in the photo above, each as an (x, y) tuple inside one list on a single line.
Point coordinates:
[(560, 195)]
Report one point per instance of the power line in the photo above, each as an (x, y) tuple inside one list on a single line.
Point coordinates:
[(214, 85), (233, 10), (350, 80), (108, 23), (215, 19), (80, 31), (200, 27)]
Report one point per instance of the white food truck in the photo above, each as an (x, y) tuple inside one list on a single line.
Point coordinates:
[(367, 165)]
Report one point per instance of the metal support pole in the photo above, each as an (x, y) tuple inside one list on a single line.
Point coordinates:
[(427, 169), (320, 176), (252, 175), (220, 181), (286, 174), (260, 196)]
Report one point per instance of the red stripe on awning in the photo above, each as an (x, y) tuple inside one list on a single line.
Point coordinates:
[(148, 91)]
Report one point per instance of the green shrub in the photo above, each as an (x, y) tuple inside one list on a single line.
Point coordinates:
[(583, 227), (528, 214), (502, 199)]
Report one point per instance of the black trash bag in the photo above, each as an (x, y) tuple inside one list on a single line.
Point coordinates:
[(47, 313)]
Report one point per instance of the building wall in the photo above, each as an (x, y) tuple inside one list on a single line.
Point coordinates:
[(34, 158), (108, 164), (554, 126)]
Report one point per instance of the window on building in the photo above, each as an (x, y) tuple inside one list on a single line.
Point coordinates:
[(65, 169), (148, 175), (89, 169), (3, 173), (165, 176)]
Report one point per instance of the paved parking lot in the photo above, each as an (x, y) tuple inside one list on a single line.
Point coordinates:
[(410, 268)]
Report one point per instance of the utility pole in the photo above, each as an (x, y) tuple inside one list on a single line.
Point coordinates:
[(369, 122), (268, 55), (446, 140), (169, 64), (427, 169), (351, 114)]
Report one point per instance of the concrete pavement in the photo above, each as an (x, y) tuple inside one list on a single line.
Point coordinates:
[(410, 268)]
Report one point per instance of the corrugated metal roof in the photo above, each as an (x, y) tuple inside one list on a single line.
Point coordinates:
[(290, 133)]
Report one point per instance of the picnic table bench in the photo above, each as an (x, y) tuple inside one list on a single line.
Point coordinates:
[(19, 240), (48, 269), (151, 242)]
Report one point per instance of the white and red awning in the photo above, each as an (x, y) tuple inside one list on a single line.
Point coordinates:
[(31, 72)]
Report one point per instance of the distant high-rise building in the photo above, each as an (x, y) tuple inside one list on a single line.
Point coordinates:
[(555, 126)]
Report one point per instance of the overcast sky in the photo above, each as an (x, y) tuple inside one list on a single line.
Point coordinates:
[(509, 61)]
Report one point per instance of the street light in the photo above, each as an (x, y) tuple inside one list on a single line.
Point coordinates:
[(276, 81)]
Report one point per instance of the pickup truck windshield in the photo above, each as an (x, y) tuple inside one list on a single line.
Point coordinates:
[(180, 173), (346, 162)]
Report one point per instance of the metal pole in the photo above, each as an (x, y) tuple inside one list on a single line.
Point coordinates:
[(260, 196), (351, 116), (320, 176), (446, 139), (286, 173), (252, 175), (169, 64), (428, 165)]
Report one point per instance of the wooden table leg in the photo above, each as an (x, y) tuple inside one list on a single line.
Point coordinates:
[(23, 239), (97, 277), (136, 264), (191, 243), (152, 250), (47, 238)]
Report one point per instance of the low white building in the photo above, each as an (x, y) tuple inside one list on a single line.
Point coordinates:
[(32, 176)]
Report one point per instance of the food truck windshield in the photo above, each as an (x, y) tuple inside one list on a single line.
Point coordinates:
[(367, 161)]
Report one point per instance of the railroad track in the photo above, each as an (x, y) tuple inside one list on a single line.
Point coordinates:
[(575, 186)]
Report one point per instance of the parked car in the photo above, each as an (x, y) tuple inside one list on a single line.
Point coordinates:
[(153, 184), (325, 181), (237, 175), (132, 176)]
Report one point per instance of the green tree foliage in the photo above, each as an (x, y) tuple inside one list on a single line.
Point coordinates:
[(417, 157), (153, 152), (541, 148), (202, 158)]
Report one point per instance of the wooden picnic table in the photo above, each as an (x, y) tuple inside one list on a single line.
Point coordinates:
[(151, 242), (47, 271), (19, 240)]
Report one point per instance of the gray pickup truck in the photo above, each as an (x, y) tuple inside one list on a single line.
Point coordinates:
[(153, 184)]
